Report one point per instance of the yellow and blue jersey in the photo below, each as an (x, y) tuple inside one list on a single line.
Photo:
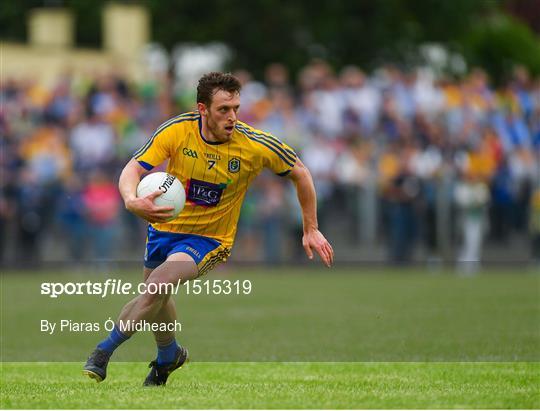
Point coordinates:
[(216, 176)]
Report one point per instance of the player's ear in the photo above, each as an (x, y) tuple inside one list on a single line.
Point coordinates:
[(202, 108)]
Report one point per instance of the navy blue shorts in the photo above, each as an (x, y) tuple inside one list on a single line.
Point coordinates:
[(205, 251)]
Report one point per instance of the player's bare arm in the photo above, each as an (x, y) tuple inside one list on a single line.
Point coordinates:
[(313, 238), (143, 207)]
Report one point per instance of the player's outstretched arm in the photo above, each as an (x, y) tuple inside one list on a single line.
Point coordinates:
[(143, 207), (313, 238)]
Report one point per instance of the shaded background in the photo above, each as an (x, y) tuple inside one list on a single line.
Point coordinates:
[(420, 122)]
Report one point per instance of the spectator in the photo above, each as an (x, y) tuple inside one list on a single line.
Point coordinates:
[(534, 224), (102, 204), (93, 143), (401, 195), (71, 215), (471, 196)]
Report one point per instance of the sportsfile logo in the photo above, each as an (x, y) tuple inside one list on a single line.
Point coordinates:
[(204, 193), (111, 286)]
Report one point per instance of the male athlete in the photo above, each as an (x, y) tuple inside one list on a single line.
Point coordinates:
[(216, 157)]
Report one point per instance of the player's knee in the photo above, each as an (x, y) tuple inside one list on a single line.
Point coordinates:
[(160, 286), (149, 299), (155, 293)]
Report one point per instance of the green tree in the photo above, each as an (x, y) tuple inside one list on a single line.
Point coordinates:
[(499, 43), (363, 32)]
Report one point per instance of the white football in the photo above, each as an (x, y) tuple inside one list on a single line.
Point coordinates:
[(172, 189)]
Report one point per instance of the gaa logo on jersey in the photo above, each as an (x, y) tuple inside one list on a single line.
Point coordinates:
[(234, 165), (204, 193), (189, 152)]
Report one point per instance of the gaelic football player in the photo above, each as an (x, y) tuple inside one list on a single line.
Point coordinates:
[(216, 157)]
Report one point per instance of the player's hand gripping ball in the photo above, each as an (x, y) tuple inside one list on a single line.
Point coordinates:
[(172, 189)]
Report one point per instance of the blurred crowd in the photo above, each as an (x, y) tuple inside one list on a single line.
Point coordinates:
[(402, 160)]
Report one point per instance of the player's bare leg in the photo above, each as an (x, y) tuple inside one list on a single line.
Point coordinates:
[(167, 314), (177, 268), (170, 355), (145, 307)]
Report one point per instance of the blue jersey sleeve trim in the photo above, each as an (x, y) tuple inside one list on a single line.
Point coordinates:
[(285, 173), (145, 165)]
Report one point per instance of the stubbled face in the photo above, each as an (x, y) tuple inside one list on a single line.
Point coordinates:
[(220, 117)]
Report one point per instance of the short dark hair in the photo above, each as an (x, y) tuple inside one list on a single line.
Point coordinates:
[(210, 83)]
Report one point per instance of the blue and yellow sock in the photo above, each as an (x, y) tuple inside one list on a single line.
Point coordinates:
[(113, 341), (167, 353)]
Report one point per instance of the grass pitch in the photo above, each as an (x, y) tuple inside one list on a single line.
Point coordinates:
[(298, 315), (342, 338), (277, 385)]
